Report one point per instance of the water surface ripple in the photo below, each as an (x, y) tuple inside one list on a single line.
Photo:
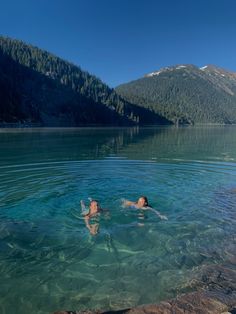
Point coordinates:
[(48, 259)]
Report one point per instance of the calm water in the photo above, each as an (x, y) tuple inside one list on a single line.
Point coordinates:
[(48, 259)]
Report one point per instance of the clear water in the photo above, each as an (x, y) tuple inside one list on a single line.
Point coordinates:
[(48, 259)]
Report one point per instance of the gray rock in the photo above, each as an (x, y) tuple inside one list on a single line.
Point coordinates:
[(215, 293)]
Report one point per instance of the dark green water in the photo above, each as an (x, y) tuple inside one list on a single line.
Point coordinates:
[(48, 259)]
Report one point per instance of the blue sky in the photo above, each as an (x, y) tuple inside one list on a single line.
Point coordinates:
[(121, 40)]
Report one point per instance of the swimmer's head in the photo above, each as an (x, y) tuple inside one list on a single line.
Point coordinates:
[(142, 201), (94, 207)]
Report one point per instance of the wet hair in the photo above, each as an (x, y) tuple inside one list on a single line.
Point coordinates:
[(145, 200), (92, 201)]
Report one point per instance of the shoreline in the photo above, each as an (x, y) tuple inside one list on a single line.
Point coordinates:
[(214, 293), (39, 125)]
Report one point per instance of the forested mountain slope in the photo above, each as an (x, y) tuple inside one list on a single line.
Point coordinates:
[(186, 94), (38, 87)]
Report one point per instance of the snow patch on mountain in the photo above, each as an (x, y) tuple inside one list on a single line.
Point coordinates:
[(203, 68), (153, 73), (181, 67)]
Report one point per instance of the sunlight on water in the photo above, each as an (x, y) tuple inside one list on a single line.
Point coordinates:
[(48, 259)]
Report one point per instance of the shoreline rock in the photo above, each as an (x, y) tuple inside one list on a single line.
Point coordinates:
[(215, 293)]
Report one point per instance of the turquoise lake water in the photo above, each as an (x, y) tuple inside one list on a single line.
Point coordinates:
[(48, 259)]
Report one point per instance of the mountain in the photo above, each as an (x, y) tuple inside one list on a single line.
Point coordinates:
[(38, 87), (186, 94)]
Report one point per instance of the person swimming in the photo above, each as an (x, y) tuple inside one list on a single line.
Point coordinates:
[(93, 212), (142, 203), (91, 215), (94, 208)]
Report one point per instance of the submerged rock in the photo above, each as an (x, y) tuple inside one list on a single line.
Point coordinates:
[(215, 294)]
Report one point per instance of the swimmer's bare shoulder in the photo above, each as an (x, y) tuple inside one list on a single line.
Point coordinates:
[(127, 203)]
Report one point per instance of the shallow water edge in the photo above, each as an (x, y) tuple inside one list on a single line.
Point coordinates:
[(215, 294)]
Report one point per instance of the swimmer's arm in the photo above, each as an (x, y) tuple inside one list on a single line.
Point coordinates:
[(86, 220), (128, 203), (83, 207), (158, 214), (92, 229)]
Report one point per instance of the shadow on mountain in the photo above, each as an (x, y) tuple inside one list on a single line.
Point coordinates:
[(28, 96)]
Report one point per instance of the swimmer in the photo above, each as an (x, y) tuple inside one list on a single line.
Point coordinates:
[(94, 211), (142, 203), (94, 208)]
